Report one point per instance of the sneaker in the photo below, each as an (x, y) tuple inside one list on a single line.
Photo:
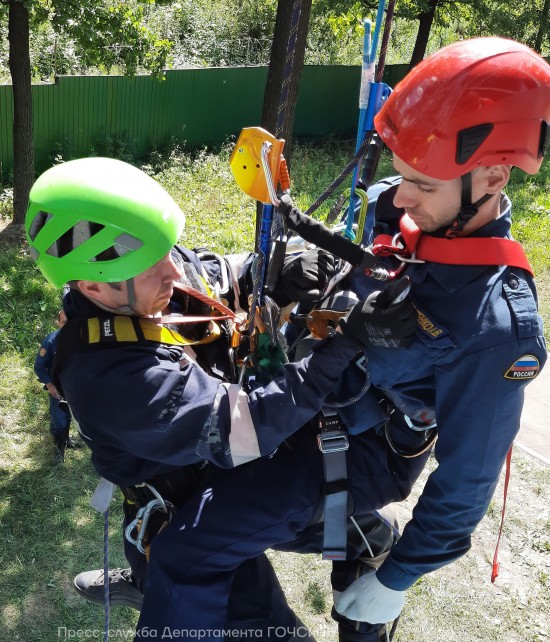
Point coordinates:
[(122, 591)]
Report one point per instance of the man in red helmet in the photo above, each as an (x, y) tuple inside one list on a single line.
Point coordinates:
[(456, 126)]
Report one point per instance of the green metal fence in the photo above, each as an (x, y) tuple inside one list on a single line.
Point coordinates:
[(82, 115)]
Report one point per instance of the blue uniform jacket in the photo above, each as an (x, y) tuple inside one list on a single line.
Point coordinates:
[(478, 343), (44, 358), (147, 409)]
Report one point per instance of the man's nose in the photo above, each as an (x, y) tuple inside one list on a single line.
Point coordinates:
[(172, 271), (405, 195)]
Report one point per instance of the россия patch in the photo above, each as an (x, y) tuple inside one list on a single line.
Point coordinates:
[(526, 367)]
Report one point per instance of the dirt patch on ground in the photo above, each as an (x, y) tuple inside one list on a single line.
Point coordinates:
[(458, 603), (11, 234)]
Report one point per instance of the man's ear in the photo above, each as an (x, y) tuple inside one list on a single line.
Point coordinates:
[(496, 178), (89, 288)]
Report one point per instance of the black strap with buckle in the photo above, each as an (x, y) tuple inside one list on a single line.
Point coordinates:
[(333, 443)]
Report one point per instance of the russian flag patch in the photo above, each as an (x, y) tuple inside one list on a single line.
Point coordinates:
[(526, 367)]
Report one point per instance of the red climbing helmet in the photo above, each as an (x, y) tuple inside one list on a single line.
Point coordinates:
[(483, 101)]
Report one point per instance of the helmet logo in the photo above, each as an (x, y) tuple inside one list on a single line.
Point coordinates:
[(392, 125)]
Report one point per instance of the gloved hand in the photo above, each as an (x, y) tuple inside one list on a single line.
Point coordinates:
[(304, 277), (383, 320), (368, 600)]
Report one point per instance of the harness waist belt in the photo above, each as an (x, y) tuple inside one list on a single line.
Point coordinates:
[(176, 487)]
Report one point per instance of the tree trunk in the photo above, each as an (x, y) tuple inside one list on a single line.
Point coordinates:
[(425, 24), (543, 29), (20, 69), (285, 69)]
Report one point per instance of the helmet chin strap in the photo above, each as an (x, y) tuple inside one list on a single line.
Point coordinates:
[(467, 209), (129, 308)]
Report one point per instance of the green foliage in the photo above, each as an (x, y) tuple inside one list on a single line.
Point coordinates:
[(137, 36), (315, 597), (531, 198), (112, 33), (222, 32), (520, 21)]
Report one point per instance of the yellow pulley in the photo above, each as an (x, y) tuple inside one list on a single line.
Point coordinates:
[(246, 162)]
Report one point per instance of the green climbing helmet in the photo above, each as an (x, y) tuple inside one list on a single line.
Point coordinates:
[(99, 219)]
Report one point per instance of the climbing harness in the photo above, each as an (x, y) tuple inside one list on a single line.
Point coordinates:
[(410, 245)]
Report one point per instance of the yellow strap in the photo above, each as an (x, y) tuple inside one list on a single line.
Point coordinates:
[(122, 329)]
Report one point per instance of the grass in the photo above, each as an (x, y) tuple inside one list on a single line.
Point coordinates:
[(49, 532)]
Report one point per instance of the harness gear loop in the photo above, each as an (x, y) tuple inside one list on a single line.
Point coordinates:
[(431, 438)]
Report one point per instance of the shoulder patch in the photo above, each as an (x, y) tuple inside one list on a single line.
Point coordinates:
[(526, 367), (42, 352)]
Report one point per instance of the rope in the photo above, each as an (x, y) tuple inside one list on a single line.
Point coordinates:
[(358, 158), (385, 41), (361, 147), (106, 599), (289, 64)]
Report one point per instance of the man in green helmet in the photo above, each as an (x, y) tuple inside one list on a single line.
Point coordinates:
[(155, 406)]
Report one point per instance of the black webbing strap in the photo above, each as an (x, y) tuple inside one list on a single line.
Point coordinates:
[(333, 443)]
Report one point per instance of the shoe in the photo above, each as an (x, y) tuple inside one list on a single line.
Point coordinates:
[(122, 592), (72, 443), (370, 633), (59, 443)]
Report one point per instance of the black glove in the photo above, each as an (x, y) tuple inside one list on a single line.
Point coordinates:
[(304, 277), (385, 319)]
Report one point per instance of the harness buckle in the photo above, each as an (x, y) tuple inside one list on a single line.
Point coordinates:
[(333, 441)]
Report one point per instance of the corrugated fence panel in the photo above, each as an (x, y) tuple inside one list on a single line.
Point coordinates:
[(82, 115), (328, 101), (6, 131)]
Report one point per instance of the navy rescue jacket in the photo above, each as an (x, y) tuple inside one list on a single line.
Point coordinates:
[(478, 342), (146, 409), (44, 359)]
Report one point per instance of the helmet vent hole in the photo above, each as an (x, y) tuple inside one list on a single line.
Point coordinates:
[(469, 141), (123, 244), (38, 223), (544, 138), (74, 237)]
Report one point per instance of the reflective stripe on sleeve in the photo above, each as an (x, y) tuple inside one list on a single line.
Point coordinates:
[(243, 440)]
